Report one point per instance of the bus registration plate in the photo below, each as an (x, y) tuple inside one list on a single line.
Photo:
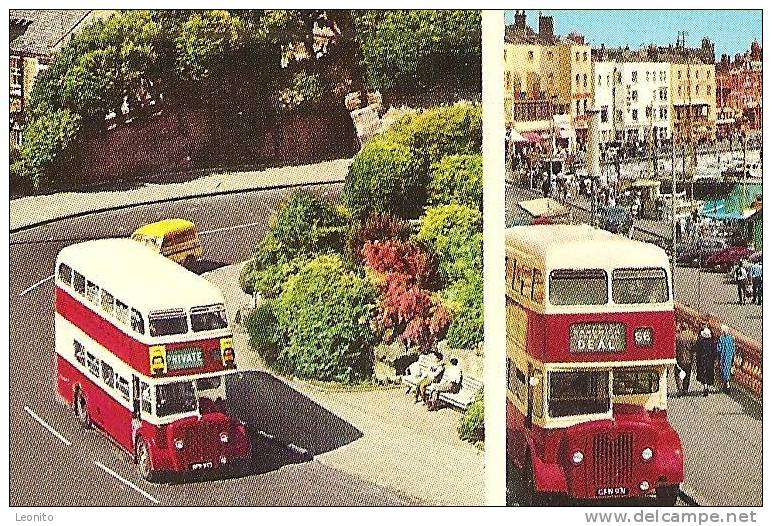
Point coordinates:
[(201, 465), (612, 492)]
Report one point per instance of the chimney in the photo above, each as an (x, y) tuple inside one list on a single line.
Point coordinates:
[(546, 28), (520, 20)]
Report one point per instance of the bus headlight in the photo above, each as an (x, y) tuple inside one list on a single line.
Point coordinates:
[(577, 457), (179, 443), (224, 437), (647, 453)]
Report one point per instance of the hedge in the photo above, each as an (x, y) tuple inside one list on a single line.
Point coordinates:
[(324, 313), (465, 296), (454, 234), (472, 426), (457, 179)]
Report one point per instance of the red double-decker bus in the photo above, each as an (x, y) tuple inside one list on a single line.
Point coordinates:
[(142, 349), (590, 338)]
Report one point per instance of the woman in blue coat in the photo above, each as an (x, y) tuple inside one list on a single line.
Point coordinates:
[(726, 352)]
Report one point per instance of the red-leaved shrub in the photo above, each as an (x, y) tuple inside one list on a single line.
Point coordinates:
[(376, 226), (395, 256)]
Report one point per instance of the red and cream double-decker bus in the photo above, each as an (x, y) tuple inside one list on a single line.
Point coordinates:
[(590, 338), (142, 350)]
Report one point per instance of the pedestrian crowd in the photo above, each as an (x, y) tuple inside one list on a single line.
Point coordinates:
[(711, 357), (748, 279)]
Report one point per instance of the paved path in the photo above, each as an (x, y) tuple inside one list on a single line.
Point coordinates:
[(26, 211), (722, 443), (402, 447)]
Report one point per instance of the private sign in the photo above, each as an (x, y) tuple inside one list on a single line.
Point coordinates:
[(185, 358)]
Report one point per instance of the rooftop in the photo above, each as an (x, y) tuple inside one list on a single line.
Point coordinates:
[(45, 28)]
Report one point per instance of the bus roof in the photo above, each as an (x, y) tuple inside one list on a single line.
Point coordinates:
[(165, 226), (139, 277), (583, 246)]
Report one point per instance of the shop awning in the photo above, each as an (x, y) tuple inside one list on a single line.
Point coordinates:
[(532, 136), (515, 136)]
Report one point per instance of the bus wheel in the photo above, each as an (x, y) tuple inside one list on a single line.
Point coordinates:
[(144, 462), (667, 495), (81, 410)]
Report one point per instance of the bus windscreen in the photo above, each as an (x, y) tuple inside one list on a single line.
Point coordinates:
[(578, 287), (167, 323), (175, 398), (578, 393), (208, 318)]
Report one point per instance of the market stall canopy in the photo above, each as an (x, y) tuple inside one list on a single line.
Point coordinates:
[(532, 136), (742, 202), (515, 136), (544, 207)]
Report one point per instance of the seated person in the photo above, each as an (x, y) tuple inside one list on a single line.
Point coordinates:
[(432, 376), (451, 383)]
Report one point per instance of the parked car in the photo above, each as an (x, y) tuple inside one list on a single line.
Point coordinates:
[(729, 257), (694, 253), (615, 219)]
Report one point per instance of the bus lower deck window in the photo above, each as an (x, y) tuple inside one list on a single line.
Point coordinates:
[(635, 382)]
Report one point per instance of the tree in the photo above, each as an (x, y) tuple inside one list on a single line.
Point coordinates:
[(45, 150), (408, 49)]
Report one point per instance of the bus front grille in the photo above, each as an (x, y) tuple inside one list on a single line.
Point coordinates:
[(612, 459)]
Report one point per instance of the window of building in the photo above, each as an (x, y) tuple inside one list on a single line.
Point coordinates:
[(648, 76), (679, 74), (634, 95), (697, 89), (577, 107), (549, 55), (707, 90), (584, 79), (599, 80), (530, 56), (635, 115), (577, 80), (585, 56), (16, 69), (108, 375), (604, 114), (634, 76), (577, 56), (679, 91)]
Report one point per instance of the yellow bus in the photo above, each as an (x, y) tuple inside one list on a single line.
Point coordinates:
[(176, 239)]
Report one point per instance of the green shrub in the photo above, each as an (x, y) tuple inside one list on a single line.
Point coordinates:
[(324, 312), (466, 299), (264, 331), (457, 179), (270, 280), (454, 234), (304, 225), (381, 179), (44, 152), (472, 426), (438, 132)]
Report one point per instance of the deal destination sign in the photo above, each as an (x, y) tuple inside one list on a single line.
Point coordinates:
[(597, 337)]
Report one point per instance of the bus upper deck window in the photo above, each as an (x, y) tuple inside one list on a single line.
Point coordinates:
[(578, 287), (79, 282), (639, 285), (122, 312), (92, 292), (137, 322), (107, 302), (65, 274), (166, 323), (208, 318)]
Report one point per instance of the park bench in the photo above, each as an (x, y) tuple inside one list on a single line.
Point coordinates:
[(460, 400)]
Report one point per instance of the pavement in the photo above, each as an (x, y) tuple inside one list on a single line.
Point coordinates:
[(402, 447), (38, 209)]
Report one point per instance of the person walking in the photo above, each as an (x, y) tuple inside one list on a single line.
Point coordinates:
[(706, 360), (686, 343), (726, 351), (756, 279), (740, 277)]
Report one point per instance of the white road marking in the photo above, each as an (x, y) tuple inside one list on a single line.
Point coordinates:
[(45, 424), (229, 228), (129, 483), (22, 293)]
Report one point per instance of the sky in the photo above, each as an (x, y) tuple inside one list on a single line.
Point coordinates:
[(731, 30)]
